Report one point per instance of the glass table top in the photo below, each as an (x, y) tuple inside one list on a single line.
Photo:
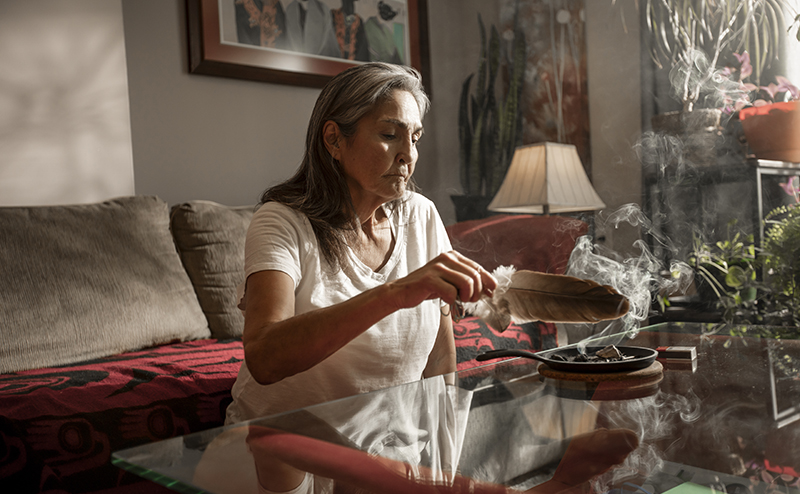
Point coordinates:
[(725, 420)]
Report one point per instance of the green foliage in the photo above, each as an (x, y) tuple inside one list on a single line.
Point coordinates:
[(782, 251), (716, 26), (730, 269), (489, 127)]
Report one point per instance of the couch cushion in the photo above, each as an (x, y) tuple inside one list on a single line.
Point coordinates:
[(473, 337), (210, 239), (87, 281), (537, 243)]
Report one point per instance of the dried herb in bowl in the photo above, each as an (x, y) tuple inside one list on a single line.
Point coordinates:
[(608, 354)]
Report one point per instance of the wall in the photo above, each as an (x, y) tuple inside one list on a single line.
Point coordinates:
[(454, 48), (615, 115), (203, 137), (64, 123)]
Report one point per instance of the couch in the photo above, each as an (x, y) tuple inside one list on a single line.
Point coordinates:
[(119, 326)]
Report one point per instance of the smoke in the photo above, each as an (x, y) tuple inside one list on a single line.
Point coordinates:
[(654, 419), (638, 278), (661, 152), (686, 204), (633, 278), (694, 78)]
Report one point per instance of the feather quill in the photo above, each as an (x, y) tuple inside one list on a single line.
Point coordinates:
[(525, 296)]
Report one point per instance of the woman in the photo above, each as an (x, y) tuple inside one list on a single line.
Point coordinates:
[(349, 274)]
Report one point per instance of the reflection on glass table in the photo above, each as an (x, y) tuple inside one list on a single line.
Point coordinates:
[(725, 420)]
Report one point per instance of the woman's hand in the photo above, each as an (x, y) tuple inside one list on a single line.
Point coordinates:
[(451, 277)]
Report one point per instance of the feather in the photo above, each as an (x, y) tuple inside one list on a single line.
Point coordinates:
[(525, 296)]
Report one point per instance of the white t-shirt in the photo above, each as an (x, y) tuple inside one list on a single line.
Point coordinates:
[(393, 351)]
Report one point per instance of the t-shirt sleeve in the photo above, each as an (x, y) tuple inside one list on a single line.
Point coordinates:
[(274, 240), (438, 240), (443, 240)]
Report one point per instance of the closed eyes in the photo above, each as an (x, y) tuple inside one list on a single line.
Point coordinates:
[(414, 138)]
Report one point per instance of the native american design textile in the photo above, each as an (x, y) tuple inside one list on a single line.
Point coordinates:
[(59, 426), (474, 336)]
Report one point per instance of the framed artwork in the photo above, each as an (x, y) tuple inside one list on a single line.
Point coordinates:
[(304, 42), (555, 98)]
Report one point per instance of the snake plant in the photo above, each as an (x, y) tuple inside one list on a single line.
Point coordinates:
[(489, 126)]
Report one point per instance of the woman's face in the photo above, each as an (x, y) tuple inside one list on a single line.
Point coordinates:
[(378, 160)]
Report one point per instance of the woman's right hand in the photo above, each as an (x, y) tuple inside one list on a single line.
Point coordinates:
[(450, 276)]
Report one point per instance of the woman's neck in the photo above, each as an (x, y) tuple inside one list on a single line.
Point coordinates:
[(373, 243), (376, 220)]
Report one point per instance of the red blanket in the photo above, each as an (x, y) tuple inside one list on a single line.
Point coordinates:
[(58, 426)]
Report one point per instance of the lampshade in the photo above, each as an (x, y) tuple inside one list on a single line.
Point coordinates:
[(546, 178)]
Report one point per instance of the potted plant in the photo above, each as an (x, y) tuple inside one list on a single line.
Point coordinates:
[(489, 124), (750, 285), (769, 115), (772, 124), (693, 37), (727, 274)]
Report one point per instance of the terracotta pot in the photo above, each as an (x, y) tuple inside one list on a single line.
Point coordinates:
[(773, 131)]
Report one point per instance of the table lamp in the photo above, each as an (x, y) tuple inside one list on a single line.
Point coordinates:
[(546, 178)]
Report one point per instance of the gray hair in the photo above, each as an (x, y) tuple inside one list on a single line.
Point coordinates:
[(319, 188)]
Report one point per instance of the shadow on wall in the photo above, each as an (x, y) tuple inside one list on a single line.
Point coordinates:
[(64, 116)]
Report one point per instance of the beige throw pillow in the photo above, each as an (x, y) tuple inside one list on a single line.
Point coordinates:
[(87, 281), (210, 239)]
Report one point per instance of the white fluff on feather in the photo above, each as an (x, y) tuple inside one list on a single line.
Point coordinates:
[(483, 308)]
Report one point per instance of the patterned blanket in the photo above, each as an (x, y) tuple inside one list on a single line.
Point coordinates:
[(59, 426)]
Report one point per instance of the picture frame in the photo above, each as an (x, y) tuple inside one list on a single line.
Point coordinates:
[(215, 50)]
